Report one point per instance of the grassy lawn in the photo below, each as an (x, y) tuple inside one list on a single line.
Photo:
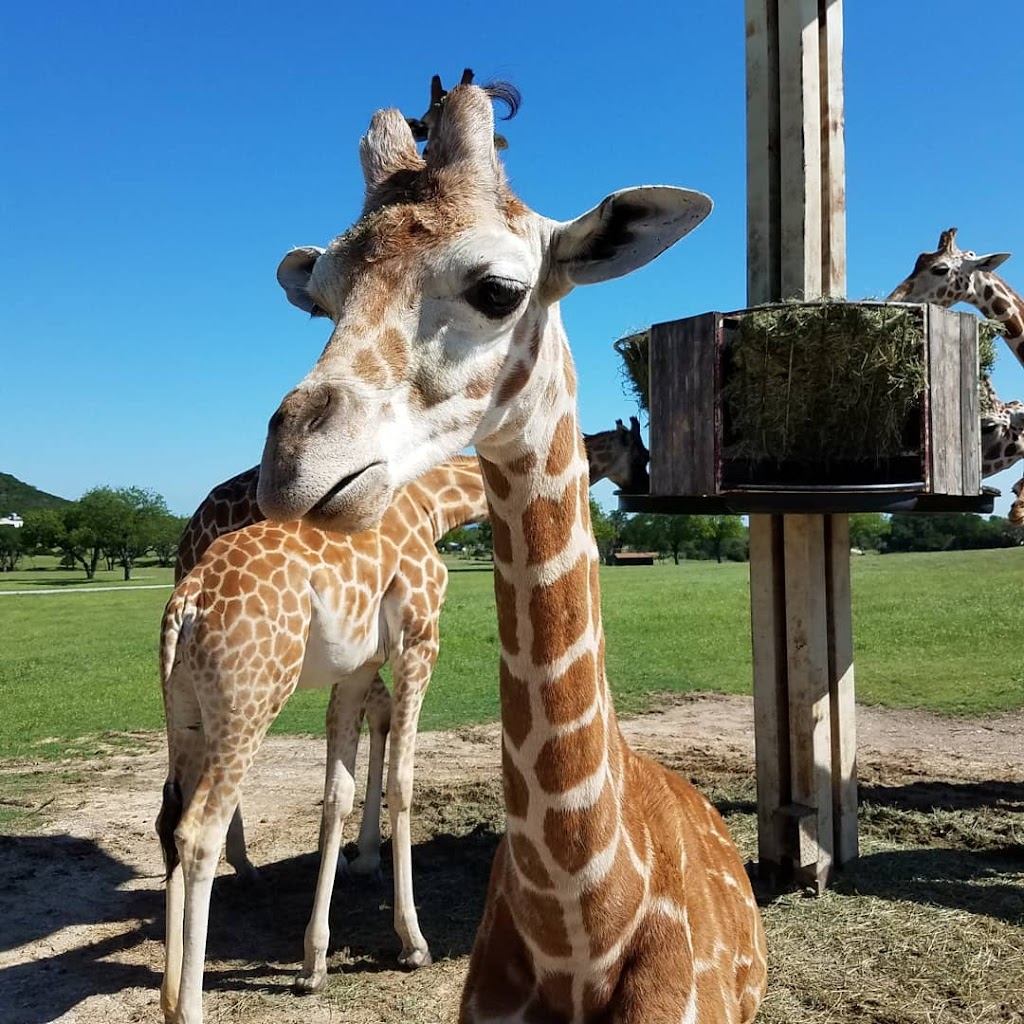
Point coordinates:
[(940, 631), (44, 573)]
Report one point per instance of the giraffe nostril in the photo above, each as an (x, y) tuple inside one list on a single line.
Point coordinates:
[(318, 409)]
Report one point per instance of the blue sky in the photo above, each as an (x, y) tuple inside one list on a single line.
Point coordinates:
[(158, 160)]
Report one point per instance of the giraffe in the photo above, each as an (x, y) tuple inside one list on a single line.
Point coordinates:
[(619, 455), (269, 608), (951, 275), (617, 893)]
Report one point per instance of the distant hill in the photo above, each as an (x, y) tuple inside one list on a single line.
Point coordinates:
[(17, 496)]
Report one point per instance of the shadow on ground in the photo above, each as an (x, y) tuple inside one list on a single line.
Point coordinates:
[(52, 883)]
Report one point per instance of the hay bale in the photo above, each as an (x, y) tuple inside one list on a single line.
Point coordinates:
[(820, 362), (823, 382)]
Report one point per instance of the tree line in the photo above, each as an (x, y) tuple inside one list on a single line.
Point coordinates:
[(115, 525), (726, 537)]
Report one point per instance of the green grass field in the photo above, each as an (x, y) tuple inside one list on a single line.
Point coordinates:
[(940, 631)]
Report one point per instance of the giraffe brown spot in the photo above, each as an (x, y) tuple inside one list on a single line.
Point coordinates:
[(552, 1003), (528, 860), (394, 352), (542, 919), (562, 446), (367, 367), (516, 719), (501, 539), (1000, 305), (595, 597), (513, 383), (482, 384), (609, 906), (501, 969), (988, 293), (547, 525), (505, 598), (566, 761), (495, 481), (523, 464), (574, 837), (559, 614), (570, 374), (517, 793), (572, 693)]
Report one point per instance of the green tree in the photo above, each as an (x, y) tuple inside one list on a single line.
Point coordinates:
[(79, 539), (675, 535), (605, 531), (43, 531), (868, 530), (167, 531), (719, 533), (124, 520), (11, 547), (483, 540)]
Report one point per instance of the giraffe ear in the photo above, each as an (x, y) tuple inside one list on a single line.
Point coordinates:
[(627, 230), (987, 262), (293, 275)]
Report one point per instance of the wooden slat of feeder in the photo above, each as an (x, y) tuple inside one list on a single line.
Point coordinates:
[(970, 407), (682, 406), (944, 408)]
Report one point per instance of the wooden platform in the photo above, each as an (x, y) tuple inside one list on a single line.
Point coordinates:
[(797, 502)]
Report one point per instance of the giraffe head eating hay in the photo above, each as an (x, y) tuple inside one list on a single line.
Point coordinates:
[(950, 275)]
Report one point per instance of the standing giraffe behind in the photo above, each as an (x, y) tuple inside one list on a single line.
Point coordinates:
[(269, 608), (619, 455), (951, 275), (616, 894)]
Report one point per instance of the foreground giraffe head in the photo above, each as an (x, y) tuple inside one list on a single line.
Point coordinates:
[(440, 296), (946, 276)]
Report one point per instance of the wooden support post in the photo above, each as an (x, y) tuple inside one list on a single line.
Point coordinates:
[(801, 621)]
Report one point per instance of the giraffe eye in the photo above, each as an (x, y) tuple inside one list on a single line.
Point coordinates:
[(495, 297), (940, 269)]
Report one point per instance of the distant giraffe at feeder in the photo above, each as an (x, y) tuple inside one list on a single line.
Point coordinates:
[(951, 275)]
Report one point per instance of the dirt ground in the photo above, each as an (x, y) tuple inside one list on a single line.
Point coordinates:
[(81, 895)]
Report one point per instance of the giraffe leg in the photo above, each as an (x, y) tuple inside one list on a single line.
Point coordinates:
[(210, 802), (378, 714), (236, 854), (412, 669), (344, 714)]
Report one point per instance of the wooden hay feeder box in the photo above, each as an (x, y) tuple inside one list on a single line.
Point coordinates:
[(831, 406)]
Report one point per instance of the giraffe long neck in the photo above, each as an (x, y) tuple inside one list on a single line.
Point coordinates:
[(451, 495), (561, 750), (993, 297)]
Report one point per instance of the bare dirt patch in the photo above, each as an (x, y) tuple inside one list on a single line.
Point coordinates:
[(929, 926)]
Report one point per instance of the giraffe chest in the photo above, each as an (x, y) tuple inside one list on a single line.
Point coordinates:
[(346, 633)]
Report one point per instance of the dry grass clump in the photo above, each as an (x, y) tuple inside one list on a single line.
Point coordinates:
[(634, 350)]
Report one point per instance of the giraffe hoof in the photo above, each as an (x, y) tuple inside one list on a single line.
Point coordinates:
[(309, 984), (415, 959)]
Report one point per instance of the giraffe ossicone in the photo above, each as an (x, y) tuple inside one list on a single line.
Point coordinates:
[(950, 275), (617, 892)]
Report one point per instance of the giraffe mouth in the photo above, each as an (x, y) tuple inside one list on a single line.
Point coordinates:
[(327, 504)]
